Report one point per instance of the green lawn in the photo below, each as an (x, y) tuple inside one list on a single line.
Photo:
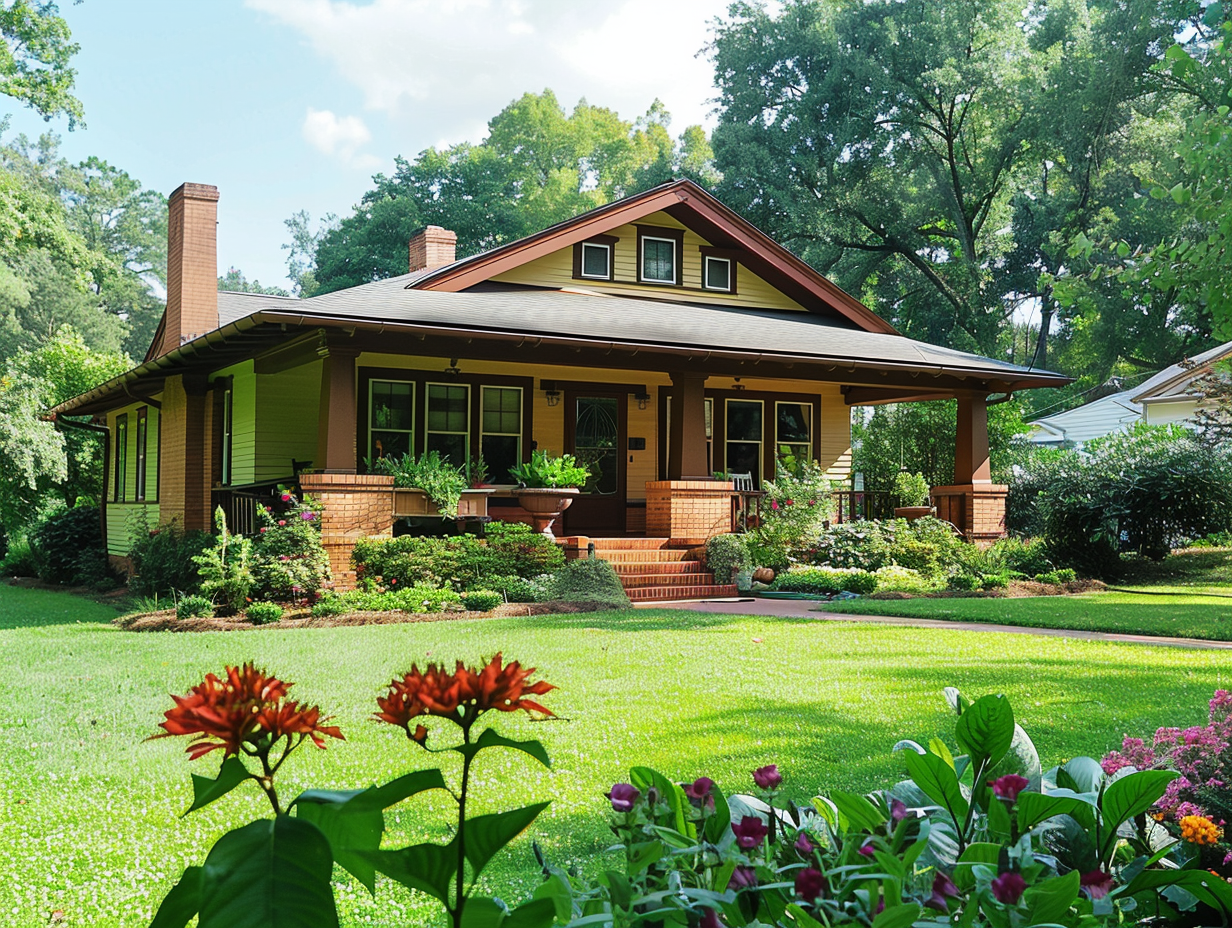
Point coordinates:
[(90, 814)]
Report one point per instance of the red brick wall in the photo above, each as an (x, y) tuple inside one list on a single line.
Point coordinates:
[(355, 506), (688, 512), (431, 248), (978, 511), (192, 264)]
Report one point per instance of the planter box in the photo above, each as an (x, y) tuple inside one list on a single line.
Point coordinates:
[(413, 503), (911, 513)]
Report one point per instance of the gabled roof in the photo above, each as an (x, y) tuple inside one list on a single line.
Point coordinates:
[(1172, 381), (1090, 420), (693, 208)]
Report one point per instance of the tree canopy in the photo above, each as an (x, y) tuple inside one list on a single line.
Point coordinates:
[(35, 55)]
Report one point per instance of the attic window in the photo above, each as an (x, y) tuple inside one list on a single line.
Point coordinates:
[(658, 260), (717, 274), (596, 260)]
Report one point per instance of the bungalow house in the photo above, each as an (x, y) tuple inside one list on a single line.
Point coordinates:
[(662, 337), (1074, 427), (1169, 396)]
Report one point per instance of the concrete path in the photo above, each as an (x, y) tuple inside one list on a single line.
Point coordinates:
[(803, 609)]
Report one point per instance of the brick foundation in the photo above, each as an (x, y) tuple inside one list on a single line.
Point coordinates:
[(688, 512), (976, 510), (354, 506)]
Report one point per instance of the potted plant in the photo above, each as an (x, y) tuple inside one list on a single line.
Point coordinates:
[(431, 486), (547, 486), (911, 496)]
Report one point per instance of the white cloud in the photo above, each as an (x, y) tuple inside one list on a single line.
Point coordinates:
[(439, 69), (338, 137)]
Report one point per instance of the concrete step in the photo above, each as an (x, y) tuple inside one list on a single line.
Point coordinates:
[(650, 594), (697, 578), (658, 567)]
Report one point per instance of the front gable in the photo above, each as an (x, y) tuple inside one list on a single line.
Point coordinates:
[(677, 218)]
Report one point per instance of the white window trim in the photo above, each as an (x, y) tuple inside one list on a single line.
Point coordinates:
[(465, 433), (606, 248), (410, 444), (641, 258), (706, 274)]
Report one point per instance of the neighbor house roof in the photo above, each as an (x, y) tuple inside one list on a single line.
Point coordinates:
[(1090, 420), (1172, 382)]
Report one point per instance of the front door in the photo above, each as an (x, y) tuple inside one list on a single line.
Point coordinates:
[(595, 430)]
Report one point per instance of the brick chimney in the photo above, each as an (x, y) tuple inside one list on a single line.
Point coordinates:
[(192, 265), (432, 247)]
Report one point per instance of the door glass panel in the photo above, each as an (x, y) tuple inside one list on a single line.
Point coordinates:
[(595, 443)]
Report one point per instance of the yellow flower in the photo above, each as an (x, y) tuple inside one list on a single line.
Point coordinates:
[(1198, 829)]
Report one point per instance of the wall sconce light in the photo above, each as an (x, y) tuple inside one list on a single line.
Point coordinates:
[(737, 385), (553, 397), (549, 390), (453, 368), (642, 397)]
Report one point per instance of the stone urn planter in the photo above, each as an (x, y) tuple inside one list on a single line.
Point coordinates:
[(911, 513), (545, 505)]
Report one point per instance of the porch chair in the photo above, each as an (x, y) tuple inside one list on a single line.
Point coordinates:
[(746, 502)]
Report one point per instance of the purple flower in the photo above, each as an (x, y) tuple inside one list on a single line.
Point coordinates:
[(710, 919), (307, 515), (898, 810), (742, 878), (1097, 884), (699, 792), (624, 796), (803, 844), (1009, 887), (867, 850), (1009, 786), (750, 832), (810, 883), (768, 777), (943, 889)]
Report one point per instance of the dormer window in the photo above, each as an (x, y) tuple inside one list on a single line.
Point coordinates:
[(716, 273), (594, 258), (659, 255)]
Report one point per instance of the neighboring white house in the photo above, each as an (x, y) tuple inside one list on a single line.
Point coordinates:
[(1166, 398), (1160, 399)]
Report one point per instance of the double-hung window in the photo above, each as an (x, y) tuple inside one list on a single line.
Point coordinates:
[(121, 457), (500, 431), (596, 260), (744, 438), (793, 433), (716, 273), (449, 421), (143, 432), (391, 418), (228, 416), (658, 260)]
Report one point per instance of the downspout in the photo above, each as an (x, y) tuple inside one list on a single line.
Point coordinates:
[(106, 433)]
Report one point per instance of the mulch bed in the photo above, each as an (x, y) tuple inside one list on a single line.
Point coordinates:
[(165, 620), (1017, 589)]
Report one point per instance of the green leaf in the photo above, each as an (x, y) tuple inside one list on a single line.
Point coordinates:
[(939, 747), (897, 916), (537, 913), (1180, 193), (181, 904), (975, 854), (1208, 889), (1081, 774), (999, 818), (719, 820), (487, 834), (643, 855), (861, 814), (1122, 249), (490, 739), (1129, 796), (986, 729), (938, 781), (483, 912), (429, 868), (270, 873), (1049, 901), (348, 831), (1034, 808), (802, 918), (557, 889), (230, 775), (393, 792), (644, 778)]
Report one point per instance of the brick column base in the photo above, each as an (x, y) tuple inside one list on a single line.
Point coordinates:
[(354, 506), (688, 512), (976, 510)]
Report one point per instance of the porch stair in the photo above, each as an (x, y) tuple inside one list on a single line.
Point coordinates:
[(651, 571)]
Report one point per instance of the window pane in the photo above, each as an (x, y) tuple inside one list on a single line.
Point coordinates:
[(743, 420), (500, 453), (386, 443), (447, 408), (595, 260), (658, 260), (392, 405), (794, 423), (452, 447), (595, 442), (718, 273), (744, 457), (502, 410)]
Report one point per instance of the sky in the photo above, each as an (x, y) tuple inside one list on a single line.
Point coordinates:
[(290, 105)]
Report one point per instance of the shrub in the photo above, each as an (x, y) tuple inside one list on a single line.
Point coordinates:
[(516, 548), (193, 607), (92, 569), (289, 562), (1213, 540), (827, 580), (893, 578), (1058, 577), (1027, 556), (726, 556), (226, 568), (413, 599), (930, 546), (864, 545), (262, 613), (965, 582), (163, 560), (19, 560), (1032, 477), (524, 589), (481, 600), (60, 540), (330, 604), (442, 480), (910, 489), (793, 513), (589, 580)]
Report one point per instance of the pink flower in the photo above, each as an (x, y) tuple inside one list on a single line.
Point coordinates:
[(810, 883), (1009, 786), (623, 796), (750, 831), (867, 850), (742, 878), (1097, 884), (307, 515), (943, 890), (262, 529), (774, 504), (282, 521), (898, 810), (1009, 887), (768, 777), (286, 497), (803, 844), (700, 792)]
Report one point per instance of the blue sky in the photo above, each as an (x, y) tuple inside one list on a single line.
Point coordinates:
[(294, 104)]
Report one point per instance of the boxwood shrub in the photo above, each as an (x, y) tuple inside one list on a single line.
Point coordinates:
[(828, 580)]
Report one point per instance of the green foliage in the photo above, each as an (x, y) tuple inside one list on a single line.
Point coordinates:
[(413, 599), (829, 580), (289, 562), (194, 607), (1058, 577), (330, 604), (537, 166), (19, 559), (926, 545), (1018, 555), (235, 281), (164, 560), (481, 600), (793, 511), (442, 480), (545, 470), (1037, 472), (261, 613), (36, 66), (59, 541), (726, 556), (226, 567), (910, 489), (522, 589), (589, 580), (893, 578)]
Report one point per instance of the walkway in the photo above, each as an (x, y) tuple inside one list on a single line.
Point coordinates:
[(803, 609)]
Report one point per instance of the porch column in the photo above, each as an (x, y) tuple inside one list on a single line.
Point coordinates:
[(336, 433), (971, 453), (973, 504), (686, 440)]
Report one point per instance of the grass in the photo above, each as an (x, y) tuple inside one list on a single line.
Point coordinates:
[(90, 820), (1187, 595)]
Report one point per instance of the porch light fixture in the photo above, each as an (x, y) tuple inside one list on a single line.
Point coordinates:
[(453, 368), (550, 392), (737, 385), (642, 397)]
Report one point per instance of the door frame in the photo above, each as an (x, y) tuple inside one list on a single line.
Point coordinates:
[(620, 393)]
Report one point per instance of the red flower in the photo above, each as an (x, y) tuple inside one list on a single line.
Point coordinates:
[(750, 832), (1097, 884), (810, 883), (246, 707), (1009, 786), (286, 497), (1009, 887), (282, 521)]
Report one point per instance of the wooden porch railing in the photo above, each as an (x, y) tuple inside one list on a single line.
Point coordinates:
[(239, 504), (854, 505)]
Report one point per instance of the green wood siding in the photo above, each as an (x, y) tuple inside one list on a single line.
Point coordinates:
[(130, 517), (287, 416), (126, 522)]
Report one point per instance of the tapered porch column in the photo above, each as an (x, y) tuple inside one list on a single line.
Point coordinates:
[(973, 504), (686, 440), (337, 428), (971, 453)]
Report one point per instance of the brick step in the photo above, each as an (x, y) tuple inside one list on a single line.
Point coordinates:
[(657, 567), (650, 594), (698, 578), (642, 556), (627, 544)]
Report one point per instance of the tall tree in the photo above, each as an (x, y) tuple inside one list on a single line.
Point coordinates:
[(35, 52), (538, 166), (235, 280), (887, 142)]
